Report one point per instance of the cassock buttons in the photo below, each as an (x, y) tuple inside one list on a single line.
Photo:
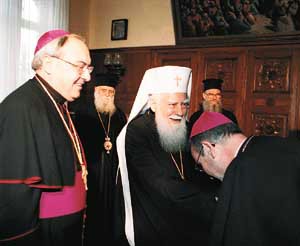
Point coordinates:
[(212, 178), (216, 198)]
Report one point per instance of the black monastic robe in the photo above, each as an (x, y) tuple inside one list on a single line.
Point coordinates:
[(103, 217)]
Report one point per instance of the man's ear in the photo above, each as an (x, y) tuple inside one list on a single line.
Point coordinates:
[(204, 96), (152, 103), (209, 149), (47, 64)]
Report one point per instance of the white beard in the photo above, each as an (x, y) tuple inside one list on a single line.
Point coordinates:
[(212, 107), (104, 104), (172, 138)]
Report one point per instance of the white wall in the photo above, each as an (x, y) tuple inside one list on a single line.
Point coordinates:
[(150, 22)]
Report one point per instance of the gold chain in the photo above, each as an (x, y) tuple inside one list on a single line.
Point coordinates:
[(108, 125), (180, 170), (74, 138)]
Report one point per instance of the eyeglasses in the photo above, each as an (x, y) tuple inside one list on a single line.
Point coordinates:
[(200, 151), (80, 68), (212, 95)]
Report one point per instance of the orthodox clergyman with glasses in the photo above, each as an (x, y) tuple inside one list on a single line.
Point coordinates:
[(43, 170), (212, 101)]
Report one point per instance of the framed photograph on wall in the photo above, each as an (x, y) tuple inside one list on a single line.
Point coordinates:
[(215, 22), (119, 29)]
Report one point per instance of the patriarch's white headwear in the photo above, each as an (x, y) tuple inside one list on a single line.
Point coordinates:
[(165, 79)]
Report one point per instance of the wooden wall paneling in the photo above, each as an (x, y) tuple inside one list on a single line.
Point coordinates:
[(270, 92), (181, 57), (230, 65), (295, 109), (136, 63), (261, 82)]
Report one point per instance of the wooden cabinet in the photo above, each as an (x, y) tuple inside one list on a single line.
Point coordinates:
[(260, 82)]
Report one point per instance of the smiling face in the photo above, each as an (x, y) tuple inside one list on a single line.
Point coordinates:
[(170, 117), (172, 107), (69, 69)]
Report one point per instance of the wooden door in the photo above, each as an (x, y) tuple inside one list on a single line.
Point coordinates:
[(271, 92), (229, 65)]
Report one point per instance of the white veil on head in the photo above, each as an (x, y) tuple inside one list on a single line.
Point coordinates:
[(165, 79)]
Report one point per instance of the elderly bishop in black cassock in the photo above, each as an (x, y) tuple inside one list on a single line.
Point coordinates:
[(98, 123)]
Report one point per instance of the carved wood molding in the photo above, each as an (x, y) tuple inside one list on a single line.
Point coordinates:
[(224, 69), (272, 74), (271, 125)]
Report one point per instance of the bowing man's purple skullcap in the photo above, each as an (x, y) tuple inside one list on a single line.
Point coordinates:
[(48, 37), (208, 121)]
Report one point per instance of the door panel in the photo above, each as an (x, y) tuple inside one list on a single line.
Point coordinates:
[(270, 92)]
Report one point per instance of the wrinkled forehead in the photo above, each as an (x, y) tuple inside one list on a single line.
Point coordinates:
[(178, 97)]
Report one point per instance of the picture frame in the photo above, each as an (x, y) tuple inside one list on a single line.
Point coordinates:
[(215, 22), (119, 29)]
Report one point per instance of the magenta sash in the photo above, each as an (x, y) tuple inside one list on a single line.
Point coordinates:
[(70, 199)]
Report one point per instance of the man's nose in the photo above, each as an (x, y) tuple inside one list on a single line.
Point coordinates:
[(180, 109), (86, 75)]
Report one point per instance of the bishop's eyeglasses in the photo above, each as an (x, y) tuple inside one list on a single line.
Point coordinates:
[(80, 68)]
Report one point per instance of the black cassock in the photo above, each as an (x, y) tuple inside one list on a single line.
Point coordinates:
[(104, 220), (35, 152), (167, 210), (260, 196)]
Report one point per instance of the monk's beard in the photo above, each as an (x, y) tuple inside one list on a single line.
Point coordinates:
[(173, 138), (212, 107), (104, 104)]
